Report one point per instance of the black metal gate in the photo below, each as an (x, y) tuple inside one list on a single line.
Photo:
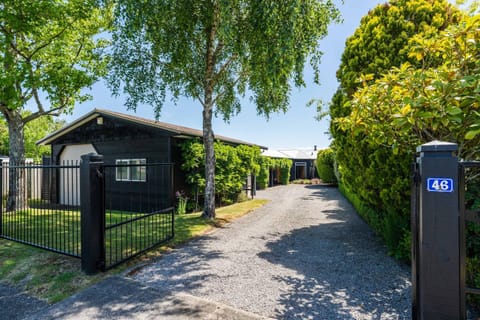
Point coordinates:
[(126, 210), (46, 213), (139, 211)]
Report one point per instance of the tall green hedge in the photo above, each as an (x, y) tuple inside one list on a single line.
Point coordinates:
[(326, 166), (267, 164), (409, 106), (264, 172)]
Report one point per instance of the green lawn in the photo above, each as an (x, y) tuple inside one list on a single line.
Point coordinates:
[(60, 230), (53, 277)]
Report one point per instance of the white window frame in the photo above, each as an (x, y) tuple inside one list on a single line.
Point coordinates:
[(125, 162)]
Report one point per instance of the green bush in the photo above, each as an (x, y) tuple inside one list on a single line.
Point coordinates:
[(264, 172), (285, 166), (326, 166), (233, 165)]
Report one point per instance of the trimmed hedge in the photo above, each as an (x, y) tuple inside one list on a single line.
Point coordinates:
[(326, 166)]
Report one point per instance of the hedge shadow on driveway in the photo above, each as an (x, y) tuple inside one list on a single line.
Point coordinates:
[(345, 272)]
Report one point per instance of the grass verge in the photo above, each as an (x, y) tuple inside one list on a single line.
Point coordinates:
[(54, 277)]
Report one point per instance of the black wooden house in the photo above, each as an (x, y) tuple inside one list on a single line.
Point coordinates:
[(124, 140)]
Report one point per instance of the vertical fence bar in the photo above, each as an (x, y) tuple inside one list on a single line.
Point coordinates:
[(1, 198), (462, 247), (92, 198)]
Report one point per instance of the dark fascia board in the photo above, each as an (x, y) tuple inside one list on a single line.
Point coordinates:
[(177, 131)]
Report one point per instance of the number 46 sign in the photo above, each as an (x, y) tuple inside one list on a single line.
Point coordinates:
[(439, 184)]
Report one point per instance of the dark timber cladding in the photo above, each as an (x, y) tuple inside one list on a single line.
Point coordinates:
[(125, 140), (116, 140)]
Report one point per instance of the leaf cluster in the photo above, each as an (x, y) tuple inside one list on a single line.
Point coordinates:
[(421, 84), (49, 52), (267, 164), (33, 131)]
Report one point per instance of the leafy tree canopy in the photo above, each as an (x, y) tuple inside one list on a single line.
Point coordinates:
[(438, 99), (260, 45), (410, 106), (48, 53), (382, 41)]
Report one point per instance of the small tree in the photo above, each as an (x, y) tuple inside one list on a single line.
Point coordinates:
[(213, 51)]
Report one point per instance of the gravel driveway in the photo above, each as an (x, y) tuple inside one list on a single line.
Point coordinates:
[(304, 255)]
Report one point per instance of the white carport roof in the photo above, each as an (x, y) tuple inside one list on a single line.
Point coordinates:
[(293, 153)]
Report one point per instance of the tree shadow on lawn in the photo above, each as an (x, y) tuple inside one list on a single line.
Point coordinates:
[(345, 272)]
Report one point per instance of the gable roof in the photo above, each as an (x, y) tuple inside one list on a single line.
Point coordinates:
[(177, 131)]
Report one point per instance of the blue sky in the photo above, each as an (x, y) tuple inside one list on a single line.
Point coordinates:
[(296, 128)]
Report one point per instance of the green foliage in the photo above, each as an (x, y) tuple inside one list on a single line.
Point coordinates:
[(264, 172), (284, 175), (284, 165), (400, 82), (48, 46), (34, 131), (174, 45), (50, 52), (233, 165), (267, 164), (326, 165)]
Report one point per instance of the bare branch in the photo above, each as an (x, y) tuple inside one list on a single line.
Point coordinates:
[(52, 112)]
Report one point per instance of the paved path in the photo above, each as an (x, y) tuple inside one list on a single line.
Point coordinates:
[(305, 255)]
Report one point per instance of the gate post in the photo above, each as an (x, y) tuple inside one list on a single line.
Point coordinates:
[(92, 213), (437, 284)]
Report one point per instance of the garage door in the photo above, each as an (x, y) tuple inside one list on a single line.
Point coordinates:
[(69, 177)]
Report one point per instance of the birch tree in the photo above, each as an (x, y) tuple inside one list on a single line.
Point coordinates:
[(215, 52)]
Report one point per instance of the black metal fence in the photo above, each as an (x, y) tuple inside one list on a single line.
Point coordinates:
[(30, 215), (41, 206), (469, 194)]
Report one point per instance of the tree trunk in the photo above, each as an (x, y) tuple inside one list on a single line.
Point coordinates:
[(208, 141), (17, 191)]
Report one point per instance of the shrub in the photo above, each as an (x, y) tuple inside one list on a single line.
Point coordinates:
[(326, 166), (233, 165), (284, 165), (264, 172)]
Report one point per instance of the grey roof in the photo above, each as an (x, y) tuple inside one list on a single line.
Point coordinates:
[(177, 131)]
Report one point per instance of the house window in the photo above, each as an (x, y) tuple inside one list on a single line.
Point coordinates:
[(131, 170)]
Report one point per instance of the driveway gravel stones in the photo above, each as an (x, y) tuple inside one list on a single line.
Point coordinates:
[(304, 255)]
